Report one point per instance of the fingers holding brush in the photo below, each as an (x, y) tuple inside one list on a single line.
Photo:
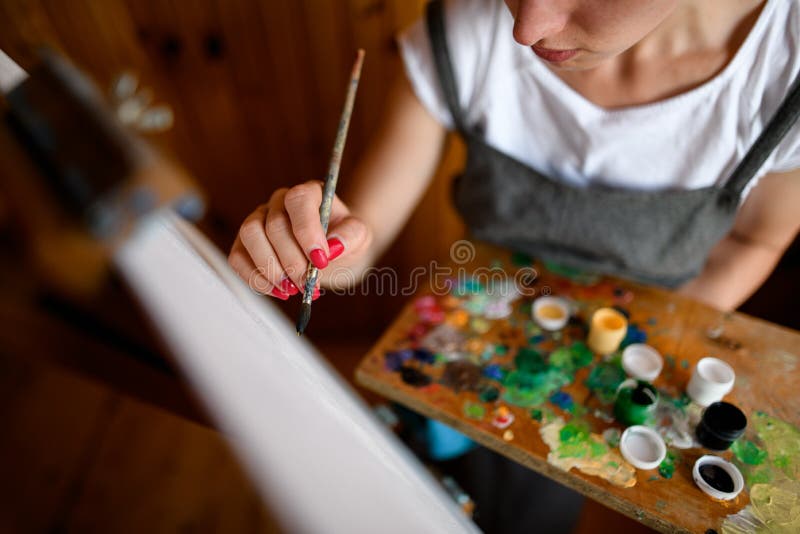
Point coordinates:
[(253, 236), (345, 232), (277, 240), (239, 259), (302, 206)]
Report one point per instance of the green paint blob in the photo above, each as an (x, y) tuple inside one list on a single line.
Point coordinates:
[(530, 361), (604, 380), (536, 415), (774, 453), (570, 359), (748, 452), (532, 389), (576, 442), (474, 410), (685, 364), (561, 358), (667, 467), (501, 350), (581, 354)]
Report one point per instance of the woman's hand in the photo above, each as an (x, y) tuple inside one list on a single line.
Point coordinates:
[(276, 241)]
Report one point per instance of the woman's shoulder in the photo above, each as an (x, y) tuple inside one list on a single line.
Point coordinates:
[(774, 68), (778, 45), (471, 28)]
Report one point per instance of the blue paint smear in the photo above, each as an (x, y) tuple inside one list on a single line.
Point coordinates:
[(634, 335), (563, 400), (538, 338), (395, 359), (493, 371), (425, 356)]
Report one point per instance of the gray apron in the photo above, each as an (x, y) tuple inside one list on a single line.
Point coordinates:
[(656, 237)]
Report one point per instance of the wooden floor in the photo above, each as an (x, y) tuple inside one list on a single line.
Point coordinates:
[(77, 456)]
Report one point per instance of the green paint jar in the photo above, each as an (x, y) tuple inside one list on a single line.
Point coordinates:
[(636, 402)]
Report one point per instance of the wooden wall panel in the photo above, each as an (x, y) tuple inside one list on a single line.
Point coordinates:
[(257, 87)]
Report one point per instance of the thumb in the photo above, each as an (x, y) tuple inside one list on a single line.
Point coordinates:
[(349, 234)]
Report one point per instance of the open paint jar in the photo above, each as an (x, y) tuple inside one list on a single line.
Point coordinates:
[(636, 402), (642, 362), (551, 313), (720, 479), (606, 330), (642, 447), (722, 423), (711, 380)]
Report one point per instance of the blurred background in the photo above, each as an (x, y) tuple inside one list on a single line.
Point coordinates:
[(99, 434)]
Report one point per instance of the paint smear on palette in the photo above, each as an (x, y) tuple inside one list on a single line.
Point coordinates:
[(773, 508), (462, 376), (573, 445), (604, 379), (772, 471)]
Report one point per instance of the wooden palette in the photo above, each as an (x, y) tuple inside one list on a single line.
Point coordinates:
[(763, 355)]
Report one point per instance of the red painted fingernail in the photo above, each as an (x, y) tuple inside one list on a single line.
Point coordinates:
[(276, 292), (289, 287), (336, 247), (318, 258), (315, 295)]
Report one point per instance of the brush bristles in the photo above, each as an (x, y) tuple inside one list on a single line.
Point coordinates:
[(302, 320)]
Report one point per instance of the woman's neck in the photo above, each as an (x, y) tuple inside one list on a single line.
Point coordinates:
[(691, 46)]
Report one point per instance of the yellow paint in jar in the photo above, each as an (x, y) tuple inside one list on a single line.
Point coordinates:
[(551, 312), (607, 330)]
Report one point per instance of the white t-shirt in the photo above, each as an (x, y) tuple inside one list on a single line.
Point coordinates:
[(689, 141)]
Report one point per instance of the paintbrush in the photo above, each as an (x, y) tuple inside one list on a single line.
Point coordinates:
[(330, 188)]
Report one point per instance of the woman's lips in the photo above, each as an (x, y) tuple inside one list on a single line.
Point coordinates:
[(554, 56)]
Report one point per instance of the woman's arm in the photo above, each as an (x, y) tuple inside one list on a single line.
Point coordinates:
[(397, 167), (766, 225)]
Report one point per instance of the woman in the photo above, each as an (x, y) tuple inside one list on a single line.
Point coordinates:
[(638, 112), (612, 135)]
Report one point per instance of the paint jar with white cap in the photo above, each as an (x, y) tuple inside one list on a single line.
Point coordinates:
[(717, 478), (636, 402), (551, 313), (711, 380), (642, 362), (642, 447)]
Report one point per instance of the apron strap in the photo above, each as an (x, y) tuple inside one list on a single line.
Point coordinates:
[(776, 129), (441, 55)]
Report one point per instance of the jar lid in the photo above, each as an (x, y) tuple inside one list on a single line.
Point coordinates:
[(642, 361), (718, 478), (551, 313), (642, 447)]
